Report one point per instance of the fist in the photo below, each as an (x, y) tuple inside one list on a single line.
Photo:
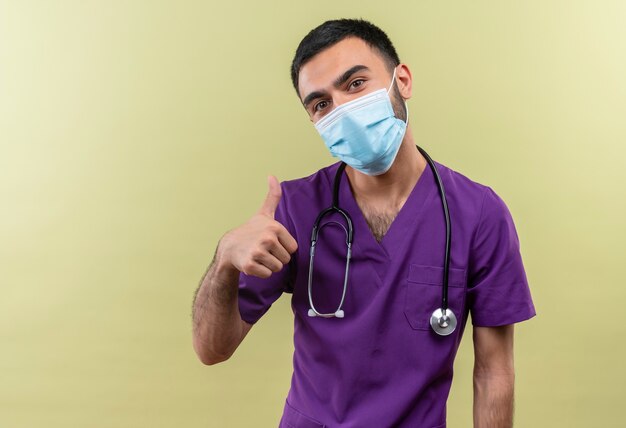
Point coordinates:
[(262, 245)]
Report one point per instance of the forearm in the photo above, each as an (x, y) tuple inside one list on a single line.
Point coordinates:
[(217, 326), (493, 400)]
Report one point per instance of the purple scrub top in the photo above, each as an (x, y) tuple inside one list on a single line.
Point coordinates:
[(383, 365)]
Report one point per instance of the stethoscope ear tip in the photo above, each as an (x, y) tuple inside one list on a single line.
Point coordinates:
[(338, 314)]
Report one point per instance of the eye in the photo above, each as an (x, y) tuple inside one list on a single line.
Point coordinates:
[(356, 83), (321, 105)]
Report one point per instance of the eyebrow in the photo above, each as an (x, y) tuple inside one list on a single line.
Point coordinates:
[(337, 83)]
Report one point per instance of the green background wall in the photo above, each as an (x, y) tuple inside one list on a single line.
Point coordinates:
[(133, 134)]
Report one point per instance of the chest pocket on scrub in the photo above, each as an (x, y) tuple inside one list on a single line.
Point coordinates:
[(423, 294), (293, 418)]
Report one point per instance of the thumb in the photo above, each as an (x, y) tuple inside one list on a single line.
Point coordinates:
[(273, 197)]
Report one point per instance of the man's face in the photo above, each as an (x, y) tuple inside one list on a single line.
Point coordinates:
[(347, 70)]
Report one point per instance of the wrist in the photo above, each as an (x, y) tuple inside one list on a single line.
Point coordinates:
[(224, 268)]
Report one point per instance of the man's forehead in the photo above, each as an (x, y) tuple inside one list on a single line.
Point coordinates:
[(321, 70)]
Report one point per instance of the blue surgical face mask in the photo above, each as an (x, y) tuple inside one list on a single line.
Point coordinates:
[(364, 132)]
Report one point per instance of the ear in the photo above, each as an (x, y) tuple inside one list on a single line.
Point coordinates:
[(405, 81)]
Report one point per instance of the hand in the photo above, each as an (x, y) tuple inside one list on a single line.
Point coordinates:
[(262, 245)]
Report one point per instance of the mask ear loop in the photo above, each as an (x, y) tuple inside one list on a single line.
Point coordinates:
[(393, 79), (406, 106)]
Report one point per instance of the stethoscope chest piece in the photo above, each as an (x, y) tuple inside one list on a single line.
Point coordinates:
[(443, 326), (442, 322)]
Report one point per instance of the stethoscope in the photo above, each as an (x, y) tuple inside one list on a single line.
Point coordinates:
[(443, 321)]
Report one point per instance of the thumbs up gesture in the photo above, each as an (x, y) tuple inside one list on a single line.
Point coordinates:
[(262, 245), (272, 199)]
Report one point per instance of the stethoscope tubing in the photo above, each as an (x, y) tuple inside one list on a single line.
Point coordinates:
[(446, 213), (443, 321)]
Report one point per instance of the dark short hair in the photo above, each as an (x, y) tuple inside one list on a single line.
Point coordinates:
[(333, 31)]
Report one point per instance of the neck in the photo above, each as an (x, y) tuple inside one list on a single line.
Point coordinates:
[(396, 184)]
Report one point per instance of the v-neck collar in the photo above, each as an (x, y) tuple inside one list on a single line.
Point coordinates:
[(395, 237)]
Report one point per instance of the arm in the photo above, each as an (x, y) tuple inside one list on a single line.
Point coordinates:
[(217, 325), (494, 376), (260, 248)]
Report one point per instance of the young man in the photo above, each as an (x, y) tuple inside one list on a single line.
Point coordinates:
[(366, 353)]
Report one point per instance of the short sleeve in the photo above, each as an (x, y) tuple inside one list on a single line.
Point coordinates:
[(256, 295), (498, 291)]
